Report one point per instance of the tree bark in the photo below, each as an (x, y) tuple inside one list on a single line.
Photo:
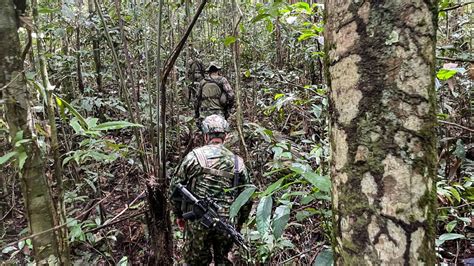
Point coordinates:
[(38, 206), (380, 67)]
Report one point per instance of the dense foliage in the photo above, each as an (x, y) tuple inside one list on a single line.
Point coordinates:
[(103, 72)]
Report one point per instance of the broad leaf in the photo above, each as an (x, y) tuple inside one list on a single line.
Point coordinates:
[(7, 157), (22, 159), (114, 125), (321, 182), (240, 201), (229, 40), (259, 17), (445, 74), (273, 187), (448, 236), (264, 210), (280, 219), (324, 258), (71, 109)]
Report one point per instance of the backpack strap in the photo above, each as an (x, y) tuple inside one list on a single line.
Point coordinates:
[(206, 169)]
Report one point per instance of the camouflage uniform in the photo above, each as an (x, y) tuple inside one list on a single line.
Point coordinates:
[(210, 171), (194, 73), (215, 96)]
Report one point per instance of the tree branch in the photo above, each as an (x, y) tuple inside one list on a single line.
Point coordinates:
[(456, 59), (456, 125), (456, 6)]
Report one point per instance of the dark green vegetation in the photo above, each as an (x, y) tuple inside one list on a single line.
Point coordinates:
[(103, 70)]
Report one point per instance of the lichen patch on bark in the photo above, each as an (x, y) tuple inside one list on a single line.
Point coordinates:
[(345, 38), (402, 188), (344, 79), (417, 238), (369, 187), (411, 70), (339, 152)]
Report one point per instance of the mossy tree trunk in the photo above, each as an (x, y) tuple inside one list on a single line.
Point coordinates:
[(380, 66), (38, 206)]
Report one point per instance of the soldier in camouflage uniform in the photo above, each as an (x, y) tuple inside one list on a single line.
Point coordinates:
[(194, 74), (215, 95), (215, 172)]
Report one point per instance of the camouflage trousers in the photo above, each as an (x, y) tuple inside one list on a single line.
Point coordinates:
[(200, 244)]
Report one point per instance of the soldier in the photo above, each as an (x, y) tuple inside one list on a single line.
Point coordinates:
[(194, 73), (215, 172), (215, 95)]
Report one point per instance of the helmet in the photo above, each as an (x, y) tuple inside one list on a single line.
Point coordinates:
[(214, 124), (213, 65)]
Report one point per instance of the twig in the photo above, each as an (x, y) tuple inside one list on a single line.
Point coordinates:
[(456, 6), (299, 254), (127, 206), (456, 59), (459, 206), (56, 227), (116, 222), (456, 125), (11, 81)]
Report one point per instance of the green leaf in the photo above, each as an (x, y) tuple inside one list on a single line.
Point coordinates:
[(273, 187), (123, 261), (278, 96), (455, 194), (22, 159), (247, 73), (259, 17), (321, 182), (445, 74), (8, 249), (448, 236), (280, 219), (324, 258), (240, 201), (269, 26), (71, 109), (264, 210), (302, 5), (306, 36), (21, 244), (229, 40), (114, 125), (46, 10), (7, 157), (451, 225)]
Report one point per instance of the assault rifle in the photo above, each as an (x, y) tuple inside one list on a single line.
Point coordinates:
[(205, 210)]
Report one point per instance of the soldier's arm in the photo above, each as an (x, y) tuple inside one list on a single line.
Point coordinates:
[(229, 92), (186, 171)]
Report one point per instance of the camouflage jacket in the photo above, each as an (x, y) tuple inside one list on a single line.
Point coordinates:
[(208, 171), (194, 70), (215, 94)]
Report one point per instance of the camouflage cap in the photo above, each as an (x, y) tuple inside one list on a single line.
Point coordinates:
[(215, 124), (213, 65)]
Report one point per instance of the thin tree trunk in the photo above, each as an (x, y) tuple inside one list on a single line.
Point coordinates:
[(62, 233), (96, 49), (236, 53), (381, 58), (38, 207)]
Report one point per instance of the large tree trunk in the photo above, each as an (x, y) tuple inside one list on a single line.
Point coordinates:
[(38, 207), (380, 62)]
